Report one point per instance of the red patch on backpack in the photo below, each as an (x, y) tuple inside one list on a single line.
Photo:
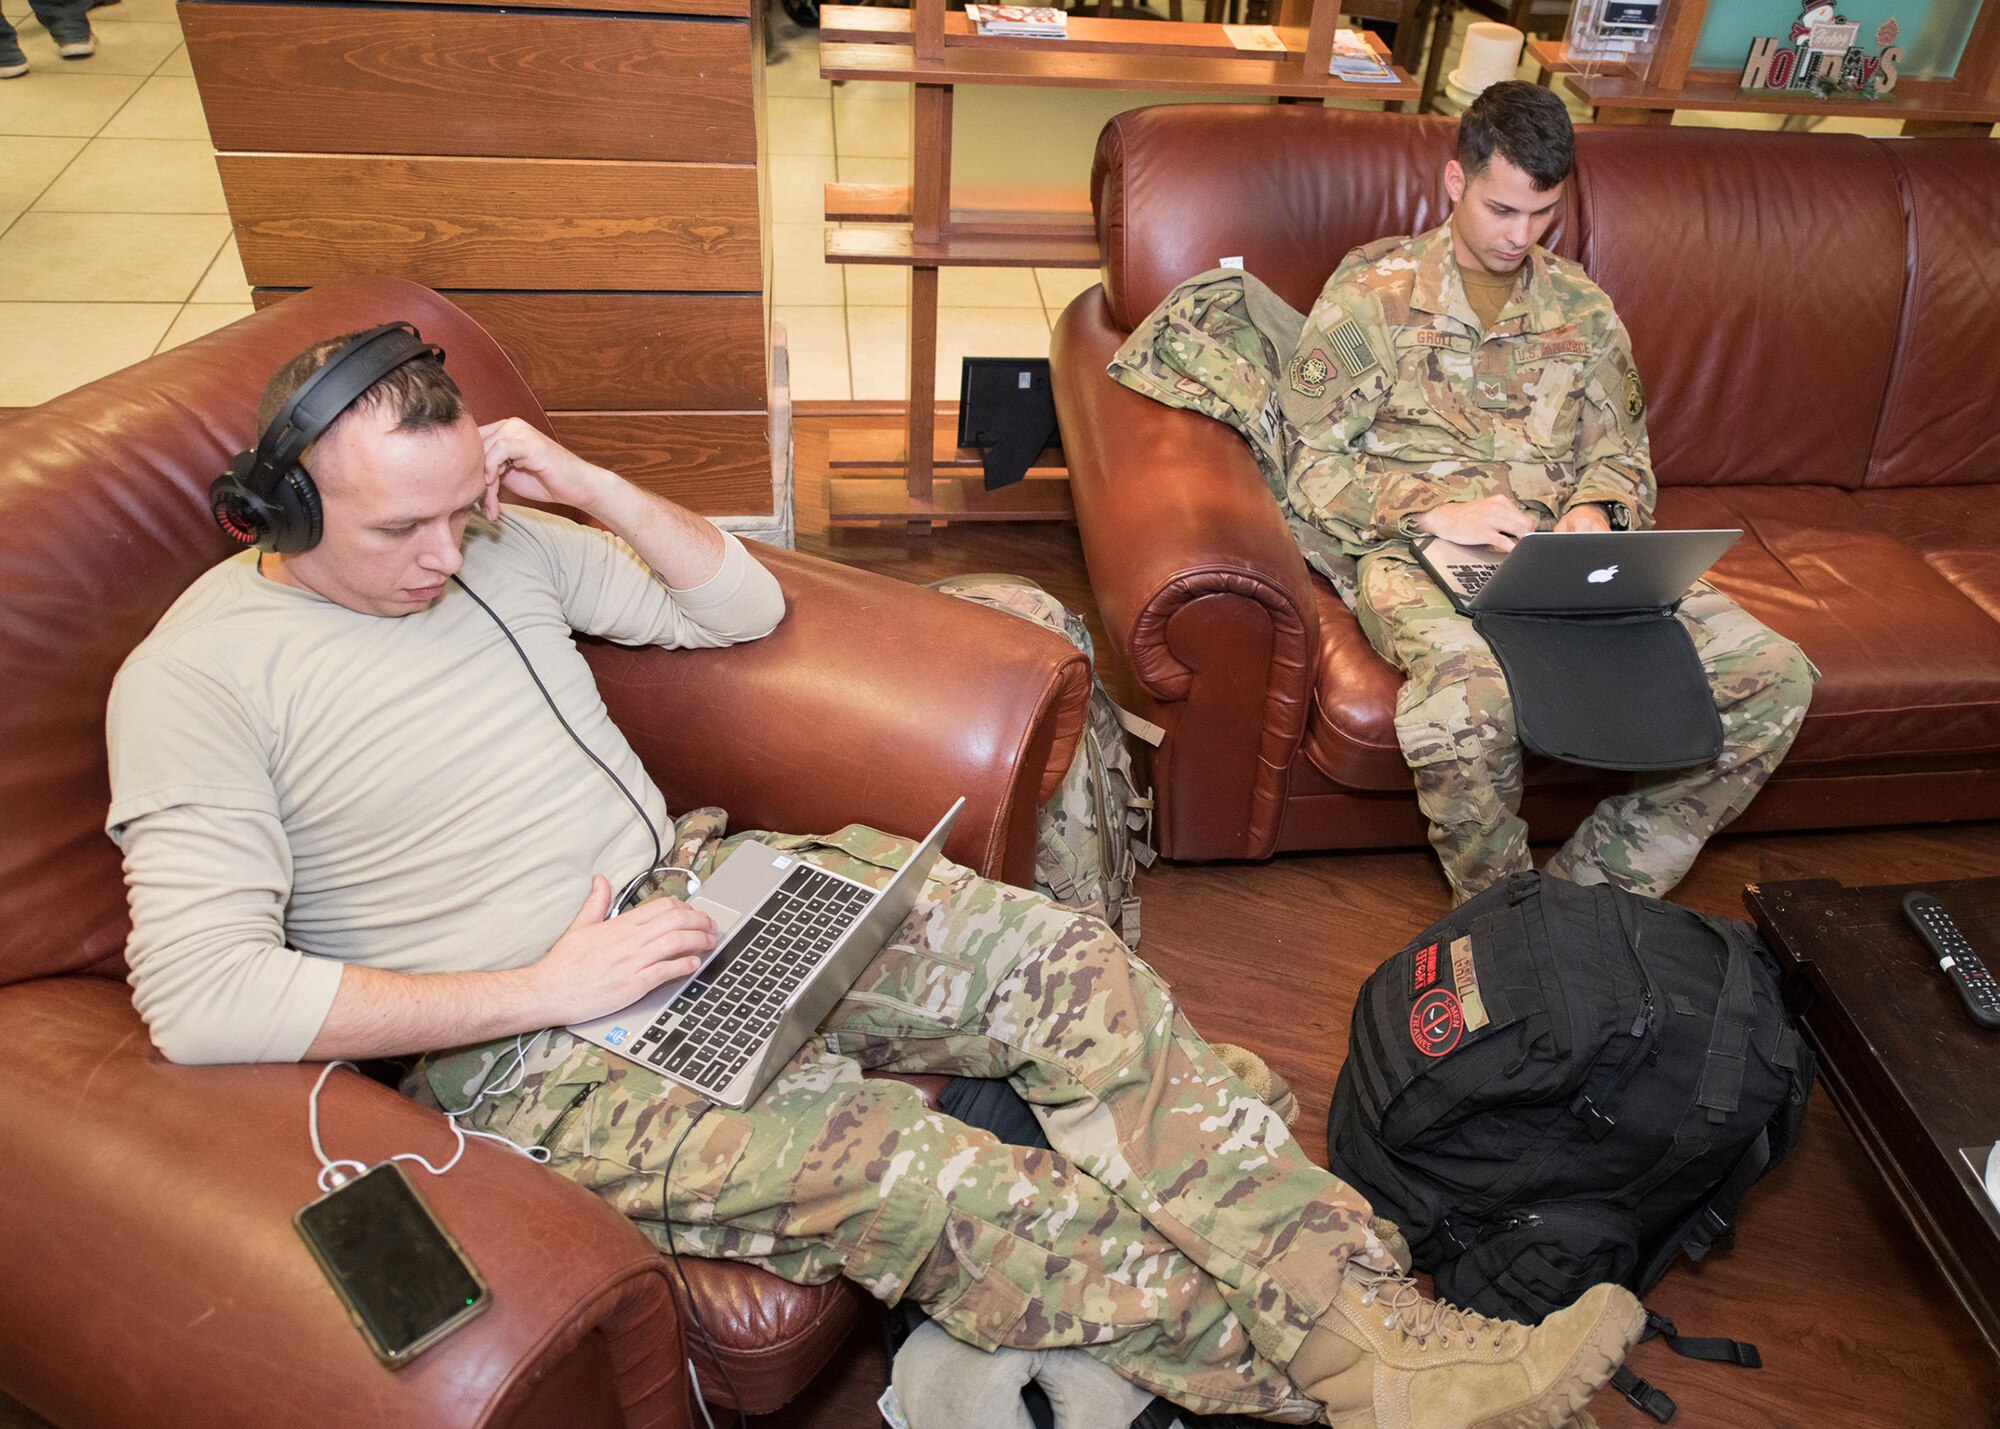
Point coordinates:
[(1424, 971), (1436, 1022)]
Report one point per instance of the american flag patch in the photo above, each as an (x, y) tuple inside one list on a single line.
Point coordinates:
[(1351, 348)]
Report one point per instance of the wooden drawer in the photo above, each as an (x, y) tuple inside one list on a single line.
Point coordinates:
[(367, 79), (714, 463), (624, 351), (303, 219)]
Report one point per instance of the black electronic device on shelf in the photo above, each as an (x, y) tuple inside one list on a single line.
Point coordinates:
[(1007, 408)]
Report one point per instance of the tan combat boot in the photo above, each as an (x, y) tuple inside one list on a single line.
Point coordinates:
[(1384, 1355)]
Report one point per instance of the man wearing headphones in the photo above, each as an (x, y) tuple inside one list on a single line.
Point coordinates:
[(352, 829)]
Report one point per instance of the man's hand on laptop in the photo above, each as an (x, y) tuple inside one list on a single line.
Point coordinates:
[(1587, 517), (1494, 521), (601, 964)]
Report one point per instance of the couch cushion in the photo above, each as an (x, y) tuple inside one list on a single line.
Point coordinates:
[(1942, 421), (1177, 188), (1760, 371), (1911, 664), (1955, 530)]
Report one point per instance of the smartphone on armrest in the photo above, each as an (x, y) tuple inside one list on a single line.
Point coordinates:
[(402, 1278)]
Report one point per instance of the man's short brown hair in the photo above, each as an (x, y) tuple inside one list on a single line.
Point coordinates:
[(1524, 123), (420, 392)]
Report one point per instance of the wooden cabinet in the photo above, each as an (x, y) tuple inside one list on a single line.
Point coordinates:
[(585, 182)]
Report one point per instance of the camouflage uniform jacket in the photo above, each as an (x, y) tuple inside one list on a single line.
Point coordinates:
[(1395, 402)]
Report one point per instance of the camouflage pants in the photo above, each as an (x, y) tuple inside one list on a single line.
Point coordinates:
[(1456, 728), (1177, 1232)]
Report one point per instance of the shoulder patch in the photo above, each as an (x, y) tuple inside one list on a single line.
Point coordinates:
[(1309, 373), (1635, 396), (1351, 348)]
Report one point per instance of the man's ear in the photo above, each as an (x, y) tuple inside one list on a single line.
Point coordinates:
[(1454, 180)]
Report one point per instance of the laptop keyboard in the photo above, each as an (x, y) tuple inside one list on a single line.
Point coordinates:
[(724, 1016), (1473, 579)]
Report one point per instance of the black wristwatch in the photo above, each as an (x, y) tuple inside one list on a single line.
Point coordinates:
[(1617, 513)]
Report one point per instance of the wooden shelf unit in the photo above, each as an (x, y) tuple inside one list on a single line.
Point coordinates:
[(583, 179), (921, 227), (1966, 105)]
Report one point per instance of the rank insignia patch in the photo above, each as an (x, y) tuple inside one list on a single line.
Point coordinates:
[(1635, 397), (1310, 371), (1351, 347)]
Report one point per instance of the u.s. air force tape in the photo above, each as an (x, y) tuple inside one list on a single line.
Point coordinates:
[(1350, 347)]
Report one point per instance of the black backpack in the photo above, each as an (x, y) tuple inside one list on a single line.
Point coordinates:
[(1557, 1085)]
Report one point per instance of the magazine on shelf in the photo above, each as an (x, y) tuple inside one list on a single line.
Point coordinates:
[(1355, 61), (1043, 22)]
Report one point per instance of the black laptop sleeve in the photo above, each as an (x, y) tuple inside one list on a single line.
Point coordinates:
[(1608, 691)]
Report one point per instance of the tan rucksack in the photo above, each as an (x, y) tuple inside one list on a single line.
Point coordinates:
[(1094, 828)]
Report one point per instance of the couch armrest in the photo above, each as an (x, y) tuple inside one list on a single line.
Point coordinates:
[(154, 1275), (874, 702), (1201, 588)]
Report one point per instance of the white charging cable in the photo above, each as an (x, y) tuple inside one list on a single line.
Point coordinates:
[(335, 1173)]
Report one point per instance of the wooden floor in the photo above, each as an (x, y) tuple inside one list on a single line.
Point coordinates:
[(1856, 1326)]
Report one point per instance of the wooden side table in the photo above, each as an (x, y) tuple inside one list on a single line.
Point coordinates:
[(1915, 1078)]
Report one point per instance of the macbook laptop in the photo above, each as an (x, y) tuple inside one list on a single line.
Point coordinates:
[(794, 938), (1574, 572)]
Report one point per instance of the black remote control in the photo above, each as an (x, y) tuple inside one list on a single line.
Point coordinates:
[(1954, 954)]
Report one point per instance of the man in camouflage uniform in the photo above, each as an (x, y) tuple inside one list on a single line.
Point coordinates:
[(1176, 1232), (1411, 412)]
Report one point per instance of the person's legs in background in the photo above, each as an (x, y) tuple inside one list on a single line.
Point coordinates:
[(12, 62), (68, 24)]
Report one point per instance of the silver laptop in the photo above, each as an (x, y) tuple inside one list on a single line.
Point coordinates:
[(794, 938), (1574, 572)]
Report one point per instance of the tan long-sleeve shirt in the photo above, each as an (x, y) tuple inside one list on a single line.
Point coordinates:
[(296, 785)]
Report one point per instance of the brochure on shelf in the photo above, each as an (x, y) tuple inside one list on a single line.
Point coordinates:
[(1356, 62), (1021, 21)]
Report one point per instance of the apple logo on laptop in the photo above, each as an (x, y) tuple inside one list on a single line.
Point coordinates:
[(1599, 577)]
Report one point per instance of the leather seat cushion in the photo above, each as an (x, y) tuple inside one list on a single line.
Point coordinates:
[(1955, 530), (1911, 661)]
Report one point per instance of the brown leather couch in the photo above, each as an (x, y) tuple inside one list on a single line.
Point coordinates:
[(151, 1272), (1818, 324)]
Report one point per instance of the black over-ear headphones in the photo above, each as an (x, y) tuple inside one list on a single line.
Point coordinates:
[(267, 499)]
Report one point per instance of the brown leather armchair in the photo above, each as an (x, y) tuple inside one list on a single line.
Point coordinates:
[(152, 1274), (1814, 318)]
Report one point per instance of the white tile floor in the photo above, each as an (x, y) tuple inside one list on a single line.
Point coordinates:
[(114, 239)]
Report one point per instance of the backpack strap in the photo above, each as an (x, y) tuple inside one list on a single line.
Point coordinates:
[(1729, 1048), (1714, 1349), (1655, 1402)]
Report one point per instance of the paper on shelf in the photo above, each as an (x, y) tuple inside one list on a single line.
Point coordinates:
[(1261, 38)]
